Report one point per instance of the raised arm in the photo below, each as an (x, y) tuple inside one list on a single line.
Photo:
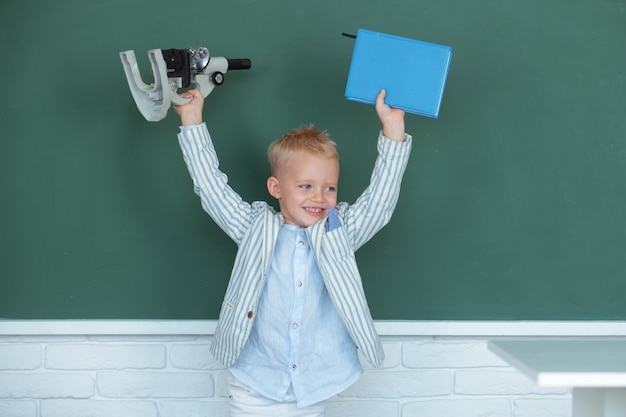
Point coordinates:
[(374, 207), (232, 214)]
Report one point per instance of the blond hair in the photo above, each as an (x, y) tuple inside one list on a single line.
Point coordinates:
[(305, 138)]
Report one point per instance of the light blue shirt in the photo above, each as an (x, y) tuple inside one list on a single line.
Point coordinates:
[(298, 341)]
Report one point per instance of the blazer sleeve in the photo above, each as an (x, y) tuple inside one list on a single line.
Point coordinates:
[(373, 208), (218, 199)]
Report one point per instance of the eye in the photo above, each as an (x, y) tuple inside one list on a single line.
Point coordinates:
[(331, 189), (305, 186)]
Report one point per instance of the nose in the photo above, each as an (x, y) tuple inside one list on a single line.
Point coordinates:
[(317, 196)]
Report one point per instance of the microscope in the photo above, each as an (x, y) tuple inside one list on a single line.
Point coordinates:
[(174, 69)]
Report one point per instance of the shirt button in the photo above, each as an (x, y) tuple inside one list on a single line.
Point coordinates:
[(294, 326), (300, 243), (294, 366), (250, 314), (299, 283)]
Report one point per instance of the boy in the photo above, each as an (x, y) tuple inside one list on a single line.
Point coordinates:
[(295, 313)]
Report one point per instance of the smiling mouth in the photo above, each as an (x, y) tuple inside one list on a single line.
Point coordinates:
[(313, 210)]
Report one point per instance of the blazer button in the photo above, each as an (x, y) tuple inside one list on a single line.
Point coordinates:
[(250, 314)]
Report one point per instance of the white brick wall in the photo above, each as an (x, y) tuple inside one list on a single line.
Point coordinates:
[(175, 376)]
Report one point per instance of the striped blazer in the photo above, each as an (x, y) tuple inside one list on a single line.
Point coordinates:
[(254, 228)]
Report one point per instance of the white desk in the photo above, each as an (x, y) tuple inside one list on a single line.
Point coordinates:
[(595, 369)]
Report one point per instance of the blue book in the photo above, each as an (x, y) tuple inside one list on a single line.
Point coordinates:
[(413, 72)]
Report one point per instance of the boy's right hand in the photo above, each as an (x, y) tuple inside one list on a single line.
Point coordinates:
[(190, 113)]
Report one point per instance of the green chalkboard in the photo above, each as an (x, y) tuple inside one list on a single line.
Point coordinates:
[(513, 204)]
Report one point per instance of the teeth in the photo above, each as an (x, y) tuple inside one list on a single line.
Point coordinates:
[(314, 210)]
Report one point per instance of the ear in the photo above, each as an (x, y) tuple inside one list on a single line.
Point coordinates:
[(273, 187)]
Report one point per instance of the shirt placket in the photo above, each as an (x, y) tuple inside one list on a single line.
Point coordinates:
[(299, 288)]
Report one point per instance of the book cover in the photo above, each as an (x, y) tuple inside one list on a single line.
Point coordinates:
[(413, 72)]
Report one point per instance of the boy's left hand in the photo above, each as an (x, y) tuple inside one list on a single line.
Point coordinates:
[(391, 118)]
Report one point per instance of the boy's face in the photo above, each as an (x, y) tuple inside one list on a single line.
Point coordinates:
[(306, 187)]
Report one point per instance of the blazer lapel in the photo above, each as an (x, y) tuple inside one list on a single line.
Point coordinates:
[(271, 226)]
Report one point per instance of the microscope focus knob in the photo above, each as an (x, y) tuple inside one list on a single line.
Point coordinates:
[(217, 78)]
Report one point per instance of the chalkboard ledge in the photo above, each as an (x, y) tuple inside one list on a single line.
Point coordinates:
[(400, 329)]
